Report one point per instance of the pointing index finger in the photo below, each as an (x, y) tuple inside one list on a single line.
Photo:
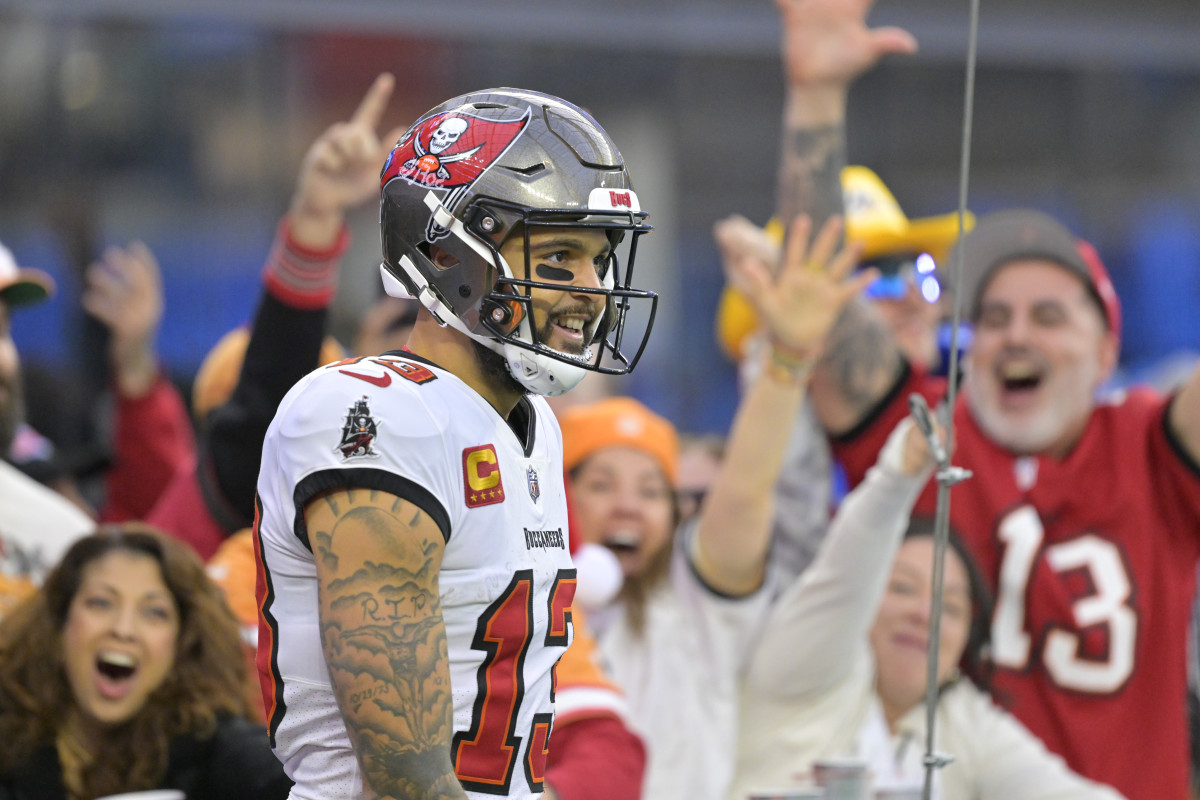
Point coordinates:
[(370, 110)]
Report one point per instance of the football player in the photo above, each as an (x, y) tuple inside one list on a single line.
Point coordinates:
[(412, 540)]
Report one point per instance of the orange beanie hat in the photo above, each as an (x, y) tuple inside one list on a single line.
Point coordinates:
[(618, 421)]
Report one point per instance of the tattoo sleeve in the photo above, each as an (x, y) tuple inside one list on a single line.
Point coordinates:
[(383, 636), (861, 364), (861, 360), (810, 173)]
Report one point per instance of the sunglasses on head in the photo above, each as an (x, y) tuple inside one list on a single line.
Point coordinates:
[(897, 274)]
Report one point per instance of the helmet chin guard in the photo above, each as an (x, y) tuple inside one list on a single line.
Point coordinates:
[(490, 165), (539, 373)]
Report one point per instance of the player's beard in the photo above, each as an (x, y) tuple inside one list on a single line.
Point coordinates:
[(546, 332), (494, 369)]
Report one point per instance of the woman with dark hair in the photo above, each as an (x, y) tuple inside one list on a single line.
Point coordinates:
[(974, 661), (842, 667), (124, 673)]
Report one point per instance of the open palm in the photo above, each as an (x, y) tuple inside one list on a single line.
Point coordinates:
[(828, 41), (797, 307)]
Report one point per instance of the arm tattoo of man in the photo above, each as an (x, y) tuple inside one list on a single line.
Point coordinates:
[(385, 644), (810, 173), (861, 357)]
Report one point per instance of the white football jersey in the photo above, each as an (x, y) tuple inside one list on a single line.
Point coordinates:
[(399, 424)]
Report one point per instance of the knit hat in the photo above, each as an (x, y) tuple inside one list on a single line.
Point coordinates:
[(618, 422)]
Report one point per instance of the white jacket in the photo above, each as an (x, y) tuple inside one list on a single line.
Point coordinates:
[(810, 687)]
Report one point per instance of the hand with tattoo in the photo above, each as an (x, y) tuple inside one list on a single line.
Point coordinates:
[(826, 45)]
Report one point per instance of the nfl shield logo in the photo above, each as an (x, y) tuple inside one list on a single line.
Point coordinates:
[(531, 477)]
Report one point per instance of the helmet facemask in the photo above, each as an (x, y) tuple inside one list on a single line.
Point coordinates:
[(514, 291), (562, 171)]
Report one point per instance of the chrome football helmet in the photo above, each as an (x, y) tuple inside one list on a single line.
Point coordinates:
[(490, 164)]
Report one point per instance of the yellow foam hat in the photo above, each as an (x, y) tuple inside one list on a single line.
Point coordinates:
[(875, 220)]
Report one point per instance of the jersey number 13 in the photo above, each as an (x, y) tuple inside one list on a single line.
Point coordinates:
[(1060, 649), (485, 755)]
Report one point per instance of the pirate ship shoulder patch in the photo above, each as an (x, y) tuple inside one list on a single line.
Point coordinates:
[(358, 432)]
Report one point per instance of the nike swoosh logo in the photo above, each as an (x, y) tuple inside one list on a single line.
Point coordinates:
[(382, 381)]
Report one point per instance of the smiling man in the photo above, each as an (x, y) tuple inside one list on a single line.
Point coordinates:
[(414, 583), (1084, 512), (556, 257), (1047, 332)]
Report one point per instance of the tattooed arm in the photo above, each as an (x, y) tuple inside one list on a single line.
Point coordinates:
[(378, 559), (860, 365), (826, 46)]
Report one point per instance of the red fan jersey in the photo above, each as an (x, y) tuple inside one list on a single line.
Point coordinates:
[(1092, 559)]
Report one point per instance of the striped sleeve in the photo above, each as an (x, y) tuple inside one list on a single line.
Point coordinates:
[(301, 277)]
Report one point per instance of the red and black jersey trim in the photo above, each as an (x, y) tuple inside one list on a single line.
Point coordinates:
[(523, 419), (267, 657), (877, 410), (366, 478), (485, 755)]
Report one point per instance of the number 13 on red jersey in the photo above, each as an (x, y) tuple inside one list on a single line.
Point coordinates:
[(1061, 649)]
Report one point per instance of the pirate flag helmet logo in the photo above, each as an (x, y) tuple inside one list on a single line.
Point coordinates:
[(499, 163), (451, 149)]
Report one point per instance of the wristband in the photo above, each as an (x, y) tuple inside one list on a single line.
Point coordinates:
[(788, 366)]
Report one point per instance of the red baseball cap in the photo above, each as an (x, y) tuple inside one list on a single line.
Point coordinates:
[(1005, 236)]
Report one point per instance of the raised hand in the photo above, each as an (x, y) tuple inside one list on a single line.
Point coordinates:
[(738, 237), (797, 308), (341, 168), (124, 292), (828, 41), (916, 456)]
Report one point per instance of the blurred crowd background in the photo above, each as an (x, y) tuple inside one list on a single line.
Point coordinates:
[(183, 124)]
